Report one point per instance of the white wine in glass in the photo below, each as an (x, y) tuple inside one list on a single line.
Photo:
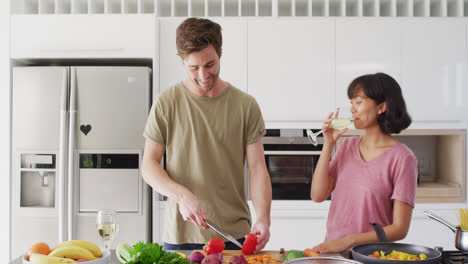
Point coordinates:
[(107, 232), (107, 226), (341, 123), (336, 123)]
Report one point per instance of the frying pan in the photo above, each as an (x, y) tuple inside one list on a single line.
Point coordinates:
[(361, 252), (322, 260)]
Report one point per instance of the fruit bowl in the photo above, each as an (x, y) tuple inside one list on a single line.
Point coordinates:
[(104, 259)]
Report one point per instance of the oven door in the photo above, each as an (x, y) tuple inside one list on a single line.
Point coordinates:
[(291, 173)]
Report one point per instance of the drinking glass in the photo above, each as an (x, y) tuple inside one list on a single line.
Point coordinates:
[(342, 120), (107, 226)]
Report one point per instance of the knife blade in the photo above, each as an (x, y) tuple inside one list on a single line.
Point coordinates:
[(221, 232)]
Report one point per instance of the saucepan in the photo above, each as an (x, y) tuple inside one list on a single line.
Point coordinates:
[(361, 252), (461, 236)]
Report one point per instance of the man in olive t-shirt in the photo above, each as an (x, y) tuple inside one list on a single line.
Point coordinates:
[(207, 128)]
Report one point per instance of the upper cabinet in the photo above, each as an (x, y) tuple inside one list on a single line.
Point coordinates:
[(171, 69), (82, 36), (233, 57), (433, 74), (364, 46), (298, 69), (291, 68)]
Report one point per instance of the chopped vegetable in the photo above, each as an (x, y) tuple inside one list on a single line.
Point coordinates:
[(149, 253), (262, 259), (397, 255), (215, 245), (250, 244)]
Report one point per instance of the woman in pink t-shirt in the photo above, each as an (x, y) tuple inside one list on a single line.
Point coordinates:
[(373, 177)]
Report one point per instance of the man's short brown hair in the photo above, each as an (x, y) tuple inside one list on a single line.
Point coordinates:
[(195, 34)]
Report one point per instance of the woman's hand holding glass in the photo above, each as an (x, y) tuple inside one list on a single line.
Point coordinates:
[(333, 126)]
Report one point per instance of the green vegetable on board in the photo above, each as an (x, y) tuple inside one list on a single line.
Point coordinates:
[(293, 254), (147, 253)]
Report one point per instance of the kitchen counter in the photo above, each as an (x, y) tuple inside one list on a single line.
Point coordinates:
[(114, 260)]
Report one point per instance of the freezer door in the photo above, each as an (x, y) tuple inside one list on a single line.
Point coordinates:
[(36, 107), (112, 107)]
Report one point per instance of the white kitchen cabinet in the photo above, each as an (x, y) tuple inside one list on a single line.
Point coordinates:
[(365, 46), (171, 70), (82, 36), (233, 57), (297, 228), (433, 62), (291, 68)]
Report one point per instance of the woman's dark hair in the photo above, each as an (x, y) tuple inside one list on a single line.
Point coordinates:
[(381, 87)]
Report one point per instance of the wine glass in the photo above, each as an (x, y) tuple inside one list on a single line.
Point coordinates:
[(107, 226), (343, 119)]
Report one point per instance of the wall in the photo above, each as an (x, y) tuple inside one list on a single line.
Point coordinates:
[(5, 130)]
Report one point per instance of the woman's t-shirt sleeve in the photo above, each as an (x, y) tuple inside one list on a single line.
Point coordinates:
[(405, 180)]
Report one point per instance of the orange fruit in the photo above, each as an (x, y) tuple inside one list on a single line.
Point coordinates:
[(40, 248)]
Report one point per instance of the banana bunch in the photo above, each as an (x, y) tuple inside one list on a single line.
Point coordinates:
[(73, 252), (39, 258), (95, 250), (68, 251)]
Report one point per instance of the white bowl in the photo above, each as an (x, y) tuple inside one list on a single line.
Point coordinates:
[(104, 259)]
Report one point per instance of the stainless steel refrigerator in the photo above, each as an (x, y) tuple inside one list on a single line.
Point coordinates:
[(77, 146)]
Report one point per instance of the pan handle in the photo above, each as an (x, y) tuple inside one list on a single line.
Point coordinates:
[(440, 220), (381, 236)]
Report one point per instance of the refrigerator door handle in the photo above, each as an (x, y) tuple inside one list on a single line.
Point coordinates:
[(71, 152), (62, 166)]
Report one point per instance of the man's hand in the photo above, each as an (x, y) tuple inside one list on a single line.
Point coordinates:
[(262, 230), (191, 209)]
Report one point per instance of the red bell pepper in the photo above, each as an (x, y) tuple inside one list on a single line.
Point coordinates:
[(250, 244), (215, 245)]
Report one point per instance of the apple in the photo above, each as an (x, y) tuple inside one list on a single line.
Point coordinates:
[(82, 260)]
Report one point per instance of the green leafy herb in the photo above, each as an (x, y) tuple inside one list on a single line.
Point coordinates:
[(148, 253)]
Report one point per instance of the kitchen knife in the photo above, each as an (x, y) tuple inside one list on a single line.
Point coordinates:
[(221, 232)]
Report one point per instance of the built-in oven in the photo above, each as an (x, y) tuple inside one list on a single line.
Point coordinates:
[(291, 159)]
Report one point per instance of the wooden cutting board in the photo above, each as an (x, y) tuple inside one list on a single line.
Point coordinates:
[(228, 254)]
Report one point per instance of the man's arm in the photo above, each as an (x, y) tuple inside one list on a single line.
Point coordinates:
[(155, 176), (260, 191)]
